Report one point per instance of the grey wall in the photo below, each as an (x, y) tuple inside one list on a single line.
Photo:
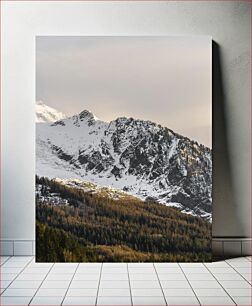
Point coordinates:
[(229, 25)]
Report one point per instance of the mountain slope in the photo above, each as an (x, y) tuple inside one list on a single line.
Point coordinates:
[(46, 113), (140, 157), (97, 228)]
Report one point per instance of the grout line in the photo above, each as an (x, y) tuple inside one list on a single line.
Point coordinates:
[(160, 284), (16, 276), (220, 284), (189, 283), (70, 284), (0, 277), (96, 300), (9, 257), (131, 298), (247, 258), (41, 283), (238, 272)]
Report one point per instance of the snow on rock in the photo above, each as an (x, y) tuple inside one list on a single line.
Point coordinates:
[(46, 113), (139, 157)]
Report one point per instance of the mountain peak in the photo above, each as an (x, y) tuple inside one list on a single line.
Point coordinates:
[(45, 113), (85, 114)]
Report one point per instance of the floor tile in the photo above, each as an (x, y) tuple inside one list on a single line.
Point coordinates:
[(114, 270), (204, 284), (143, 277), (146, 292), (147, 300), (66, 265), (55, 284), (118, 277), (236, 259), (14, 264), (166, 264), (29, 276), (145, 284), (239, 291), (59, 277), (114, 292), (216, 264), (197, 270), (5, 283), (47, 300), (178, 292), (175, 284), (84, 284), (80, 301), (10, 270), (25, 284), (235, 284), (191, 264), (114, 284), (220, 300), (168, 270), (210, 292), (18, 300), (243, 270), (32, 270), (171, 276), (247, 277), (243, 300), (21, 258), (51, 292), (4, 259), (241, 264), (82, 292), (87, 277), (7, 277), (102, 300), (19, 292), (88, 270), (180, 300), (231, 276), (40, 265), (62, 271), (140, 264), (141, 270), (220, 270), (98, 264), (201, 276), (114, 264)]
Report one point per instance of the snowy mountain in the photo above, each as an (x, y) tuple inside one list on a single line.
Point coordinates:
[(46, 113), (139, 157)]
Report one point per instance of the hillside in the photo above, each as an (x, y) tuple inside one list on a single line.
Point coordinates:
[(84, 226)]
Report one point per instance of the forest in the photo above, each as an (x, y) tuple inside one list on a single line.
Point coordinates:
[(93, 227)]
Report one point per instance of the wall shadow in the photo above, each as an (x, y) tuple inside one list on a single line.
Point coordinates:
[(225, 216)]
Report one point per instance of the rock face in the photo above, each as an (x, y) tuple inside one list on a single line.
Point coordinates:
[(140, 157)]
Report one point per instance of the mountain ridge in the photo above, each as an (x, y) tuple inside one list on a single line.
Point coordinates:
[(137, 156)]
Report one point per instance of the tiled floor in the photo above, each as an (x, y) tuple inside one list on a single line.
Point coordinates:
[(24, 282)]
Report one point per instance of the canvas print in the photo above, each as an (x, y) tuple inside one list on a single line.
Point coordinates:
[(123, 149)]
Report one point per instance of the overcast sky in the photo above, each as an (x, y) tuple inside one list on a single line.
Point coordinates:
[(163, 79)]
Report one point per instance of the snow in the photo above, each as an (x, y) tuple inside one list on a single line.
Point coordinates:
[(46, 113), (86, 134)]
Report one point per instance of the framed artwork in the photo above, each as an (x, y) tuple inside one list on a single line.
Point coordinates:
[(123, 148)]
